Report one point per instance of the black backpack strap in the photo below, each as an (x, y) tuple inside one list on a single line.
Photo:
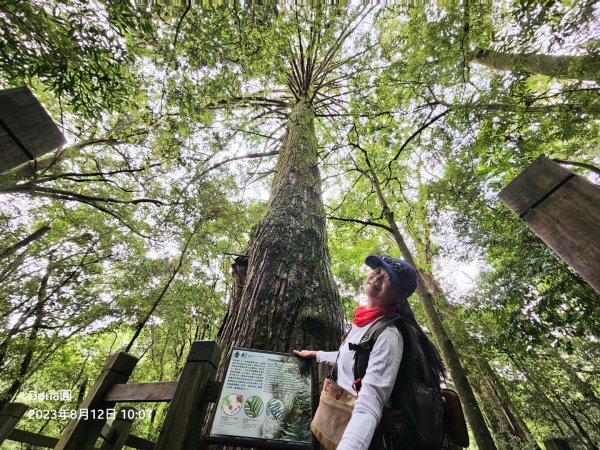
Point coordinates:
[(362, 350)]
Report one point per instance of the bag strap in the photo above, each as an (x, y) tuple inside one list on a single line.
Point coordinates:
[(333, 374), (362, 350)]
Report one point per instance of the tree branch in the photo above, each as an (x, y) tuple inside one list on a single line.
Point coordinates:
[(588, 166), (41, 191), (415, 134), (363, 222), (24, 242), (91, 174)]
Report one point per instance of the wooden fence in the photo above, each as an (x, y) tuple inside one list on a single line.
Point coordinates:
[(189, 398)]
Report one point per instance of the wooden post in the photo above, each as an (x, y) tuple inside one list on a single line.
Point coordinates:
[(26, 130), (556, 444), (182, 427), (117, 434), (10, 415), (563, 209), (81, 433)]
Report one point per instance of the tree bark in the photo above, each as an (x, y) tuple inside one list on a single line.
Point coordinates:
[(498, 408), (559, 66), (284, 295)]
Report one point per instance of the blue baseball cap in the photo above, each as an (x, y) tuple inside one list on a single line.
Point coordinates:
[(401, 273)]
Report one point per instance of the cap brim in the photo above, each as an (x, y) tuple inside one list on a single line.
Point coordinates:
[(375, 261)]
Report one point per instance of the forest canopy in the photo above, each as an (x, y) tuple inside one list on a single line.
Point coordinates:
[(230, 165)]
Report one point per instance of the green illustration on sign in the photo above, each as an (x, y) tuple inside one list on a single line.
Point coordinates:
[(253, 406), (275, 409)]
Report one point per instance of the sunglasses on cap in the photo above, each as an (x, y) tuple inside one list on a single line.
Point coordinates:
[(398, 268)]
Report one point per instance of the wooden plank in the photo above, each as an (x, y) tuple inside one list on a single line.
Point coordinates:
[(139, 443), (25, 122), (531, 185), (119, 430), (82, 434), (10, 414), (182, 427), (27, 437), (142, 392), (569, 222), (131, 441)]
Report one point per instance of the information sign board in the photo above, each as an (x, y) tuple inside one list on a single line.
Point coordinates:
[(265, 401)]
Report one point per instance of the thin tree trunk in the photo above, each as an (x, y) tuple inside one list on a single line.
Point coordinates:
[(24, 242), (38, 312), (142, 323), (284, 295), (542, 393), (582, 431), (25, 363), (559, 66), (524, 108), (503, 417), (501, 414), (516, 426), (556, 421), (585, 388), (499, 410), (482, 435), (492, 413), (588, 166), (82, 388)]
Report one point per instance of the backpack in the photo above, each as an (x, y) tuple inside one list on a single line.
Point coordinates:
[(416, 417)]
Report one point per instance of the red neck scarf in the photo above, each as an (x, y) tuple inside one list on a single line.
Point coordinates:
[(364, 316)]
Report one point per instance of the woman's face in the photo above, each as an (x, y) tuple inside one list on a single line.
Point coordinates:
[(380, 290)]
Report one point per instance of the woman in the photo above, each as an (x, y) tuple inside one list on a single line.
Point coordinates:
[(387, 287)]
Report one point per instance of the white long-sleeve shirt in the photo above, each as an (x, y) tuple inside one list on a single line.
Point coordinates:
[(377, 384)]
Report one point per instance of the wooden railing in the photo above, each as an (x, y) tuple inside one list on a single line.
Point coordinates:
[(188, 398)]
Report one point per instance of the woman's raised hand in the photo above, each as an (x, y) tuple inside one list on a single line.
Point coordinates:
[(309, 354)]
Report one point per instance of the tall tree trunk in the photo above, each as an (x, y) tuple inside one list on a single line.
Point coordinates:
[(25, 362), (498, 408), (589, 394), (516, 423), (502, 416), (284, 295), (575, 67), (482, 435)]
